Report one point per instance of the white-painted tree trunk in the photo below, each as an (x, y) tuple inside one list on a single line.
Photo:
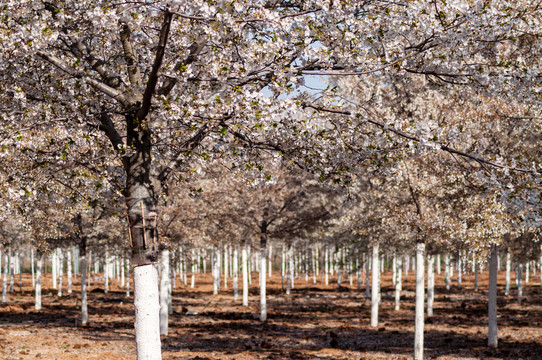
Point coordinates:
[(236, 273), (375, 285), (147, 310), (37, 289), (291, 266), (69, 270), (492, 338), (54, 268), (123, 271), (314, 265), (394, 269), (367, 276), (520, 283), (398, 283), (216, 271), (420, 295), (164, 291), (32, 268), (358, 271), (476, 271), (128, 278), (84, 298), (5, 280), (226, 265), (60, 270), (106, 271), (263, 273), (270, 260), (244, 265), (438, 264), (447, 271), (507, 276), (430, 284), (459, 271), (326, 265), (527, 271)]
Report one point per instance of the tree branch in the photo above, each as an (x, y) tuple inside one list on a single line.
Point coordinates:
[(414, 138), (129, 55), (153, 77)]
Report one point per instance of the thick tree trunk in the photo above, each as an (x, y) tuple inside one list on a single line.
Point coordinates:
[(84, 266), (244, 260), (263, 272), (37, 290), (375, 296), (147, 309), (164, 291), (420, 294), (492, 338), (430, 284)]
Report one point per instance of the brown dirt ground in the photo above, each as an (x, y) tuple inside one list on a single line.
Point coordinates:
[(315, 322)]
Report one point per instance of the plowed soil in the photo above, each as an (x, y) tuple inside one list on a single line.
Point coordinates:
[(314, 322)]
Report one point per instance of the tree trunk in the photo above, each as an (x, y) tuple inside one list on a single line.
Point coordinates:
[(492, 338), (164, 291), (507, 276), (5, 280), (60, 258), (447, 271), (438, 264), (216, 271), (420, 294), (147, 310), (476, 271), (244, 260), (263, 272), (32, 269), (54, 268), (69, 271), (84, 299), (106, 271), (37, 304), (326, 265), (375, 285), (520, 283), (236, 273), (430, 284), (459, 271), (226, 266), (367, 276), (398, 283), (270, 261)]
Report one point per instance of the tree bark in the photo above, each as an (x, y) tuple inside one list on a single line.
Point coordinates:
[(447, 271), (147, 310), (492, 338), (520, 283), (420, 294), (5, 281), (69, 270)]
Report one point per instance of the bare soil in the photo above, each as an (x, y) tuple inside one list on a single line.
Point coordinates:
[(314, 322)]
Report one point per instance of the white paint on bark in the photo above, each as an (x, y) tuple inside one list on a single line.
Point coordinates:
[(430, 284), (507, 276), (244, 265), (375, 285), (37, 290), (492, 338), (147, 309), (84, 298), (164, 291), (420, 295)]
